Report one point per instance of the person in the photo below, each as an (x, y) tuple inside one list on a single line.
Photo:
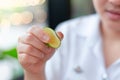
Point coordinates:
[(90, 47)]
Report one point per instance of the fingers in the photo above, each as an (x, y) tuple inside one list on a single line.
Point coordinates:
[(30, 50), (33, 51), (35, 42), (26, 59), (60, 35), (39, 33)]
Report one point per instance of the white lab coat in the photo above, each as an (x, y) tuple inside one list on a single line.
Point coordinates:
[(80, 55)]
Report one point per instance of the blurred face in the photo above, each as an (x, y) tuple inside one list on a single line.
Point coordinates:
[(109, 11)]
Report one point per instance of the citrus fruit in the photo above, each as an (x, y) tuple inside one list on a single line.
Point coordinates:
[(54, 40)]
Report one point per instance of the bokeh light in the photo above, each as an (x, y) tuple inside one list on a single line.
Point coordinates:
[(7, 4), (40, 15), (16, 16), (27, 17), (22, 12), (16, 19)]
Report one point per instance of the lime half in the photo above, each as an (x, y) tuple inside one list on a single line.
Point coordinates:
[(54, 40)]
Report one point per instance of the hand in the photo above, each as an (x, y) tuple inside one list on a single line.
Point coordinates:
[(33, 51)]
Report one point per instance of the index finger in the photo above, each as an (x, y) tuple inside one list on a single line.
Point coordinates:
[(39, 33)]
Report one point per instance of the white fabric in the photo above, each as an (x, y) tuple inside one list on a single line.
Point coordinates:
[(80, 55)]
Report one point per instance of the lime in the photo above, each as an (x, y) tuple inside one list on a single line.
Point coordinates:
[(54, 40)]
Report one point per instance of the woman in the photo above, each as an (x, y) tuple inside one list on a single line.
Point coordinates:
[(89, 49)]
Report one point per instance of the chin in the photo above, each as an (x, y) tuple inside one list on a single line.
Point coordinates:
[(116, 28), (113, 25), (112, 22)]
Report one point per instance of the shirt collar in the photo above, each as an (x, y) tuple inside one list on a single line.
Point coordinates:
[(94, 40), (90, 30)]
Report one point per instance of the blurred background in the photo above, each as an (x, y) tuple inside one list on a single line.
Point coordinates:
[(16, 16)]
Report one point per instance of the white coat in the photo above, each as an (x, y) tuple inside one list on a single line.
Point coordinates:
[(80, 56)]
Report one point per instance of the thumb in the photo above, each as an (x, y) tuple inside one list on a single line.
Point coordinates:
[(60, 35)]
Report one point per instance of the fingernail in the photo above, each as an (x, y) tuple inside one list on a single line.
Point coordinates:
[(45, 38)]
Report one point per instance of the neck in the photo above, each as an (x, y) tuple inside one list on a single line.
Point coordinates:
[(111, 44), (108, 33)]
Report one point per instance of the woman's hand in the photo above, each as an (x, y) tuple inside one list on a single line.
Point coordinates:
[(33, 51)]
